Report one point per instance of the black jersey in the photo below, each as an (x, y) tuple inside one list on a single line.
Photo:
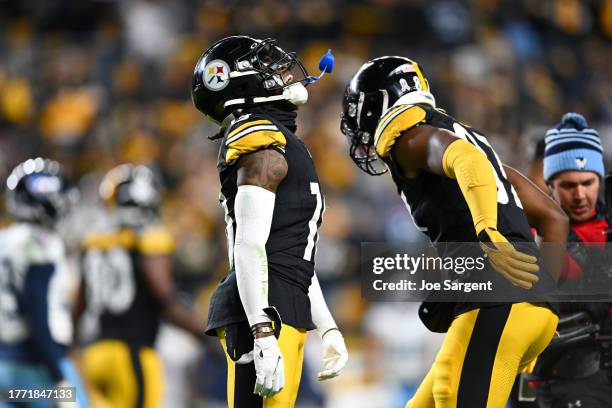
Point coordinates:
[(436, 202), (291, 245), (116, 292)]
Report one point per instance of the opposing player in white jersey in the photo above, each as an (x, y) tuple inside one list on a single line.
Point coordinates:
[(35, 285)]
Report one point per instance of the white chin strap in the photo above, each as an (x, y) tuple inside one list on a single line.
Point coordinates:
[(296, 94), (416, 97)]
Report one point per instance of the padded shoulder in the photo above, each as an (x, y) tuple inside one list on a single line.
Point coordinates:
[(251, 133), (32, 245), (156, 240), (393, 123), (105, 241)]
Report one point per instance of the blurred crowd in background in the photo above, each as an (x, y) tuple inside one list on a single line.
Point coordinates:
[(96, 83)]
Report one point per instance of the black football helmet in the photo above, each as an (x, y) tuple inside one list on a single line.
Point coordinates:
[(134, 194), (241, 71), (38, 192), (376, 87)]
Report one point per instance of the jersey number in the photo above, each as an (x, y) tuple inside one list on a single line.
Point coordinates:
[(479, 140), (313, 223), (110, 280)]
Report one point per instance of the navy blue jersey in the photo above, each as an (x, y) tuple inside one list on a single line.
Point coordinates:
[(35, 298)]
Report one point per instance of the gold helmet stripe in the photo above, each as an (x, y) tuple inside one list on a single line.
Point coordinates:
[(417, 69)]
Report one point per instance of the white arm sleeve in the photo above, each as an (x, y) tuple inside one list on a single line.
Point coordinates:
[(321, 316), (253, 209)]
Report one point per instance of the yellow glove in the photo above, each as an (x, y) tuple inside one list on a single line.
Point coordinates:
[(515, 266)]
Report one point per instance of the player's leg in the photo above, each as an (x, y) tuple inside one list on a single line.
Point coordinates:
[(482, 353), (449, 366), (440, 386), (109, 369), (528, 330), (241, 377), (240, 381), (291, 344), (153, 377), (423, 398)]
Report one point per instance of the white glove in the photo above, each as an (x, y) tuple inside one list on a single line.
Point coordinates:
[(269, 367), (335, 355), (245, 358)]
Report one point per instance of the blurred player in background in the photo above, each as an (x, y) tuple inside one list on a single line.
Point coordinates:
[(273, 206), (128, 284), (36, 288), (458, 191), (571, 373)]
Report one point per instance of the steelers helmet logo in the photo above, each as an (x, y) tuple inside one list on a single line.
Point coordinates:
[(216, 75)]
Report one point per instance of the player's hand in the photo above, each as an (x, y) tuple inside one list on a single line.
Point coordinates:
[(335, 355), (517, 267), (269, 366), (246, 358)]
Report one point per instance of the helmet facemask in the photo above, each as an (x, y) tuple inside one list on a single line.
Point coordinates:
[(281, 73), (277, 68), (358, 123)]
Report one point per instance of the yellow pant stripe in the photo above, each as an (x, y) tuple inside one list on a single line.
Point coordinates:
[(528, 331), (291, 344), (524, 332), (153, 377), (110, 370)]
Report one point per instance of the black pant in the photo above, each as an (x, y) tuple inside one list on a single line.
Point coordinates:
[(591, 392)]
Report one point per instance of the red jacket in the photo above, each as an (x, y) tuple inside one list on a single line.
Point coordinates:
[(592, 233)]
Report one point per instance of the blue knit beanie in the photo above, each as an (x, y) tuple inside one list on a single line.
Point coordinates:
[(572, 146)]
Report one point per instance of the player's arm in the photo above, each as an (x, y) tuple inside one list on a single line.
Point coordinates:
[(259, 175), (335, 354), (546, 216), (157, 272), (79, 307), (439, 151), (41, 316)]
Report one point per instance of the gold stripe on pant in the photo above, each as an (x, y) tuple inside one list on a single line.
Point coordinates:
[(481, 355), (123, 376), (241, 378)]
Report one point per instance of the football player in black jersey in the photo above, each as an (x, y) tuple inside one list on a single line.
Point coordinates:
[(273, 206), (458, 191), (128, 286)]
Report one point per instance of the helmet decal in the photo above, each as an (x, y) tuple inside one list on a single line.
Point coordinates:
[(216, 75), (380, 84), (240, 71)]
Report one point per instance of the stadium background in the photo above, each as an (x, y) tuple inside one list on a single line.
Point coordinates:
[(98, 83)]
